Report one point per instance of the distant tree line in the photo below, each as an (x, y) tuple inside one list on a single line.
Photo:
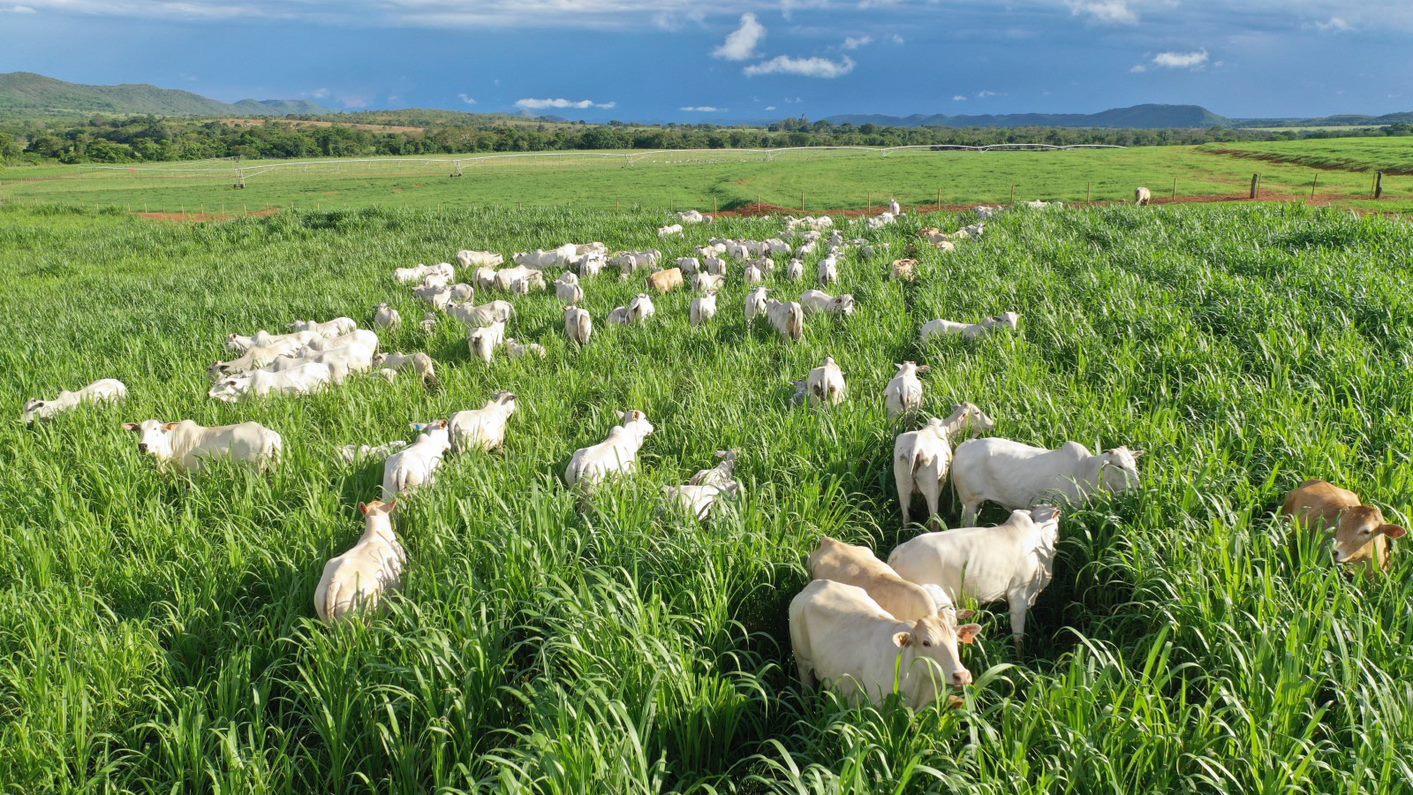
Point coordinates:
[(149, 138)]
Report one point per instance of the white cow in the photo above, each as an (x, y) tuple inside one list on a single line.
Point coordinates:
[(187, 445), (922, 458), (416, 465), (618, 454), (305, 378), (520, 279), (1142, 196), (669, 230), (829, 270), (258, 357), (261, 338), (690, 217), (859, 567), (814, 301), (753, 274), (483, 428), (353, 453), (630, 262), (462, 292), (841, 635), (903, 394), (390, 364), (932, 328), (357, 579), (421, 273), (485, 278), (342, 362), (703, 309), (699, 496), (330, 328), (826, 384), (567, 289), (360, 337), (715, 266), (438, 295), (474, 317), (1012, 561), (516, 349), (479, 259), (430, 321), (484, 341), (386, 317), (707, 282), (688, 265), (787, 318), (107, 390), (795, 271), (578, 325), (639, 310), (1015, 475)]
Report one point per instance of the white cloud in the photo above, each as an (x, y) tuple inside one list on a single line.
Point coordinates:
[(702, 109), (1107, 12), (466, 99), (802, 67), (958, 98), (320, 93), (772, 107), (899, 40), (984, 94), (19, 10), (1181, 60), (741, 44), (580, 104), (855, 42), (1334, 25)]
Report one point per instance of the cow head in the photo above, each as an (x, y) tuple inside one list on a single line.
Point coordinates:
[(153, 437), (1118, 468), (229, 390), (1357, 536), (935, 638)]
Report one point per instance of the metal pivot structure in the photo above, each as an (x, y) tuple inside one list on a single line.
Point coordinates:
[(240, 179), (455, 169)]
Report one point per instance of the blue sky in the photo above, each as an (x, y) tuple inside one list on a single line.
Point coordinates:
[(672, 60)]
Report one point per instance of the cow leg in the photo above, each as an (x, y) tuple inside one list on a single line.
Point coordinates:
[(1019, 605), (807, 680), (969, 511), (932, 493)]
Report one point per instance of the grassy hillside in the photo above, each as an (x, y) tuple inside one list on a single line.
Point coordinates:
[(1135, 117), (156, 633), (1390, 155), (24, 94)]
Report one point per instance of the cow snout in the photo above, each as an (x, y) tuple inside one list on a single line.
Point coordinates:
[(142, 447), (961, 678)]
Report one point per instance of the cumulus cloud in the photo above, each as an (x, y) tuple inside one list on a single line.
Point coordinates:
[(770, 107), (1334, 25), (741, 43), (18, 9), (1181, 60), (1108, 12), (702, 109), (899, 40), (802, 67), (320, 93), (855, 42), (958, 98), (466, 99), (561, 104), (984, 94)]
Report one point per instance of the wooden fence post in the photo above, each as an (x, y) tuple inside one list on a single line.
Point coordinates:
[(869, 199), (802, 201), (1314, 183), (1173, 195), (1255, 185), (1089, 193), (939, 200), (1013, 193), (1378, 185)]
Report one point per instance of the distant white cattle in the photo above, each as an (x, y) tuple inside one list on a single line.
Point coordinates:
[(479, 259), (703, 309), (699, 496), (903, 395), (516, 349), (107, 390), (260, 356), (933, 328), (360, 337), (1015, 475), (1013, 561), (483, 341), (187, 446), (386, 317), (483, 428), (922, 458), (429, 322), (787, 318), (826, 384), (795, 271), (707, 282), (342, 362), (690, 217), (331, 328), (438, 295), (415, 466), (829, 270), (474, 317), (263, 338), (756, 301), (814, 301), (305, 378), (520, 279), (421, 273), (669, 230), (618, 454), (639, 310), (578, 325), (567, 289), (356, 580), (353, 453), (390, 364)]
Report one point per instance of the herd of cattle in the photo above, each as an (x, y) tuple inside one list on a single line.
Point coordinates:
[(862, 624)]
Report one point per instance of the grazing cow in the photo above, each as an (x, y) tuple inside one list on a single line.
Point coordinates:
[(688, 265), (1012, 561), (715, 266), (753, 274), (787, 318), (756, 302), (814, 301), (921, 460), (841, 635), (479, 259), (881, 220), (416, 465), (541, 258), (390, 364), (462, 292), (896, 209), (1361, 536), (827, 383), (484, 341), (437, 295), (639, 310), (187, 445), (520, 279), (859, 567), (618, 454), (474, 317), (516, 349), (353, 453), (485, 278), (386, 317), (430, 321), (332, 328), (701, 493), (107, 390), (1015, 475), (305, 378), (421, 273), (669, 230), (905, 270), (630, 262), (707, 282), (342, 362), (567, 289), (933, 328), (795, 271), (987, 213), (578, 326), (665, 281), (703, 309), (1142, 197), (262, 338), (776, 247), (258, 357), (362, 338), (829, 270), (904, 393), (592, 264), (690, 217), (356, 580), (483, 428)]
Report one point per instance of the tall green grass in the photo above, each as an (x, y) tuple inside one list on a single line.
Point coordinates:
[(156, 632)]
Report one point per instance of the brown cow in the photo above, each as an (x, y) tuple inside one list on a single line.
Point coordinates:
[(665, 281), (1361, 535)]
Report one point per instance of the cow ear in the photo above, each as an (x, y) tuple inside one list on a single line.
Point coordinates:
[(924, 369), (1137, 454), (1393, 531), (389, 507), (171, 426), (363, 508), (967, 633), (132, 426), (902, 639), (965, 615)]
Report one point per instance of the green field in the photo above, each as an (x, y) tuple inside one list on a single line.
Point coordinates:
[(1390, 155), (157, 632), (720, 179)]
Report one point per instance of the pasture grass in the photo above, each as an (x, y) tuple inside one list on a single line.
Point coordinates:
[(1393, 155), (722, 179), (157, 632)]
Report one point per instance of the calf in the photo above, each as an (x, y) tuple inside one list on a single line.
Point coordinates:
[(357, 579), (567, 289), (787, 318), (1016, 475), (826, 383), (416, 465), (665, 281), (107, 390), (332, 328), (859, 567), (703, 309), (904, 393), (578, 325), (305, 378), (187, 446), (483, 341), (386, 317), (483, 428), (618, 454), (1361, 536), (1012, 561), (841, 635), (814, 301)]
